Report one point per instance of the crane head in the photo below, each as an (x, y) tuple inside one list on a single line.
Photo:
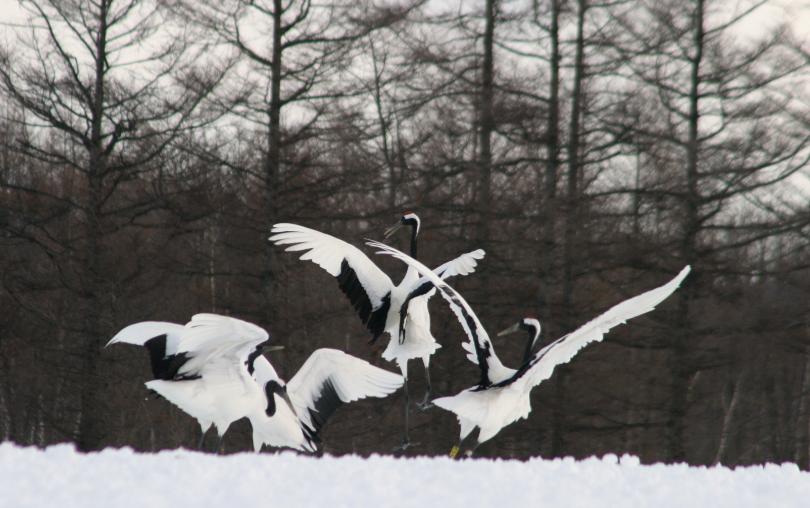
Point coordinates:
[(407, 219), (529, 325)]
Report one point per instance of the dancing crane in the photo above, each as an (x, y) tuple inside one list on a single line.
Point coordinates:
[(213, 369), (374, 296), (501, 395), (294, 413), (201, 366)]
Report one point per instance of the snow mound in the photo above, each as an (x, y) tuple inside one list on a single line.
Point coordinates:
[(60, 477)]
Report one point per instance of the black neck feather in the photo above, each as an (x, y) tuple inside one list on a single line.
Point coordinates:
[(527, 353)]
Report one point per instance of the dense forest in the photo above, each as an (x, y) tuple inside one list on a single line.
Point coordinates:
[(591, 148)]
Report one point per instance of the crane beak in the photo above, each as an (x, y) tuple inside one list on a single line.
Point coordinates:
[(393, 229), (512, 329), (270, 349)]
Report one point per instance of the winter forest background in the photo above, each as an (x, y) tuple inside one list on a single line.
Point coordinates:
[(591, 148)]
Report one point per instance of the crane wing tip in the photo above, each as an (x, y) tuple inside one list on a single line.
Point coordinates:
[(382, 248), (682, 274)]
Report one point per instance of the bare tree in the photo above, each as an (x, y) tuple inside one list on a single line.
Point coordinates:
[(707, 139), (295, 54), (101, 110), (614, 142)]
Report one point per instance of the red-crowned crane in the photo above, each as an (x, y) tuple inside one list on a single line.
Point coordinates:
[(374, 296), (213, 369), (501, 395)]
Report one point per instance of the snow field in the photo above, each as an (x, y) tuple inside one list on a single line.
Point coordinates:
[(62, 478)]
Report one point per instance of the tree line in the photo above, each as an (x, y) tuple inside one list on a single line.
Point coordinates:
[(591, 148)]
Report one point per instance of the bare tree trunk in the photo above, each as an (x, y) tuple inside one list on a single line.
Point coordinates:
[(272, 163), (549, 189), (729, 408), (572, 190), (486, 129), (637, 199), (571, 225), (211, 237), (91, 425), (680, 366), (801, 454), (384, 128)]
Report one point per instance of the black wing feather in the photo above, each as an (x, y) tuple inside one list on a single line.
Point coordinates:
[(353, 289), (482, 351), (165, 366), (325, 406)]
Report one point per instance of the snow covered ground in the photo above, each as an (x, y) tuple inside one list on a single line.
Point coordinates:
[(61, 478)]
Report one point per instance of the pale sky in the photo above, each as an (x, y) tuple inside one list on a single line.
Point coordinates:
[(765, 17)]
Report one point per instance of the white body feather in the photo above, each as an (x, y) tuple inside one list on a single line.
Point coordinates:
[(419, 341), (224, 394)]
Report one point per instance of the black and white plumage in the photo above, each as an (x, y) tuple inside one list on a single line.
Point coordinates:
[(379, 302), (371, 292), (501, 395), (202, 367), (212, 368), (295, 412)]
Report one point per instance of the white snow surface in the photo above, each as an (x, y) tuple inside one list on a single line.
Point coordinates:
[(61, 477)]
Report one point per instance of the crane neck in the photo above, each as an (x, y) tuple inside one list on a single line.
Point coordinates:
[(527, 353), (413, 242)]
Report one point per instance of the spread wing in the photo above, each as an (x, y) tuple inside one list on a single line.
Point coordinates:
[(180, 352), (330, 378), (210, 337), (465, 264), (541, 365), (161, 339), (367, 287), (492, 370), (140, 333)]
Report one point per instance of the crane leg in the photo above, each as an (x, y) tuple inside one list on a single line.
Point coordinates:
[(425, 404), (406, 440), (220, 443), (471, 451), (201, 442), (459, 451), (454, 451)]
